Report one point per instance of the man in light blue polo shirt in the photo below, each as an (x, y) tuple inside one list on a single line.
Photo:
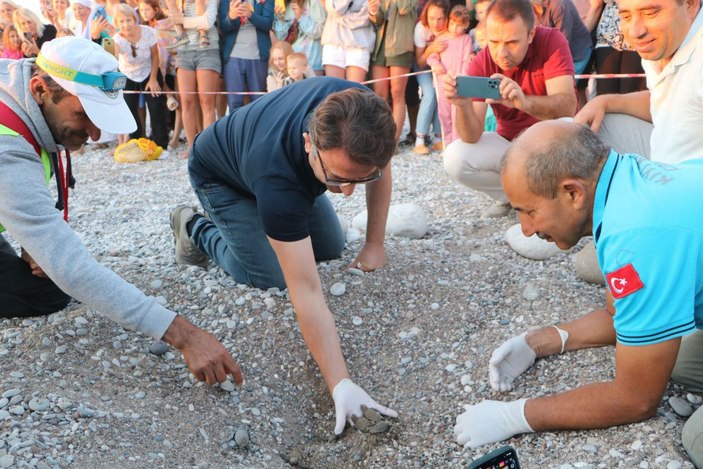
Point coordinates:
[(565, 184)]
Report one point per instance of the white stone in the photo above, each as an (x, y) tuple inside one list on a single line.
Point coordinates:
[(636, 445), (357, 321), (531, 292), (338, 289), (533, 247), (227, 386), (405, 220)]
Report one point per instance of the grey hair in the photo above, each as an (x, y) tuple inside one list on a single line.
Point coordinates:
[(575, 155), (358, 121)]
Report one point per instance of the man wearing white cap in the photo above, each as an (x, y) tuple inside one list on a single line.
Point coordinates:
[(71, 92)]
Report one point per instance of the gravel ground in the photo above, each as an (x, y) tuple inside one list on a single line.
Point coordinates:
[(81, 392)]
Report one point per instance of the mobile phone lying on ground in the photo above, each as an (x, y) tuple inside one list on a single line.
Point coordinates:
[(502, 458), (478, 87)]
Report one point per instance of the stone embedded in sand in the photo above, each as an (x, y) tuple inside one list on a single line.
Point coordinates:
[(338, 289), (532, 247), (158, 347), (531, 292), (406, 220), (227, 386), (241, 436), (294, 457), (680, 406)]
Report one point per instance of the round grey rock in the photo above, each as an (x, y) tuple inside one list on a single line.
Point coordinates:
[(586, 265), (532, 247), (241, 436), (158, 347), (227, 386), (7, 460), (338, 289), (680, 406), (38, 404)]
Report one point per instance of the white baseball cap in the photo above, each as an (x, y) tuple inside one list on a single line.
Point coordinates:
[(88, 72)]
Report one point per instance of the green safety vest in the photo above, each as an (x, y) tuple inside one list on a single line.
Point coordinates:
[(46, 161)]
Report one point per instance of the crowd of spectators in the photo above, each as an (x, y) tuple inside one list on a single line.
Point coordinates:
[(185, 51)]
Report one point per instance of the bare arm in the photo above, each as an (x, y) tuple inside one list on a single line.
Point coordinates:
[(634, 104), (378, 199), (592, 17), (594, 329), (641, 376), (297, 262)]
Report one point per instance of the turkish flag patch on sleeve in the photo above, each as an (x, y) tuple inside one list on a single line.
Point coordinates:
[(623, 281)]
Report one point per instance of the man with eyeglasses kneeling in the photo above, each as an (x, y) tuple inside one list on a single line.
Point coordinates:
[(261, 173), (50, 106)]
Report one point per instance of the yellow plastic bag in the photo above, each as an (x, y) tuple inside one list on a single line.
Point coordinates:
[(137, 150)]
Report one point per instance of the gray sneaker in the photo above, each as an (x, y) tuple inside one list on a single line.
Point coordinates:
[(186, 252)]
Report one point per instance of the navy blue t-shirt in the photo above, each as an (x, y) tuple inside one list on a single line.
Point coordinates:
[(259, 152)]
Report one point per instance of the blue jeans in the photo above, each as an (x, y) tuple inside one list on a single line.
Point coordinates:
[(244, 75), (428, 106), (234, 238)]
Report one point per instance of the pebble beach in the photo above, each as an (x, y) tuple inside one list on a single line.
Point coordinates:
[(78, 391)]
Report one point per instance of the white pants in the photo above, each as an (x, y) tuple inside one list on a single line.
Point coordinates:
[(477, 165), (626, 134)]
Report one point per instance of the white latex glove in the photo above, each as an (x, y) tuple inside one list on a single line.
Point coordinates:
[(509, 361), (490, 421), (348, 399)]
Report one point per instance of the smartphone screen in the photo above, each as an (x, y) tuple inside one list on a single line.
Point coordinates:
[(502, 458), (478, 87), (28, 36)]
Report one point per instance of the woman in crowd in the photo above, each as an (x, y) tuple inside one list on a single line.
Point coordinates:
[(347, 39), (245, 26), (433, 22), (138, 56), (7, 8), (614, 55), (33, 32), (62, 14), (198, 67), (154, 16), (87, 24), (393, 52), (300, 24)]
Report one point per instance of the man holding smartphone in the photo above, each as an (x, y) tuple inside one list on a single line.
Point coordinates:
[(536, 74)]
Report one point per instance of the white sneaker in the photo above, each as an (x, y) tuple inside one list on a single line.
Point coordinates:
[(497, 210)]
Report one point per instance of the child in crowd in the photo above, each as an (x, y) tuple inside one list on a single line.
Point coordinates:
[(12, 44), (296, 66), (153, 16), (200, 7), (138, 57), (478, 33), (454, 59), (280, 51)]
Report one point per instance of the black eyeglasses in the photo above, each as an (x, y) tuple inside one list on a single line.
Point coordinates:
[(134, 50), (339, 182)]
